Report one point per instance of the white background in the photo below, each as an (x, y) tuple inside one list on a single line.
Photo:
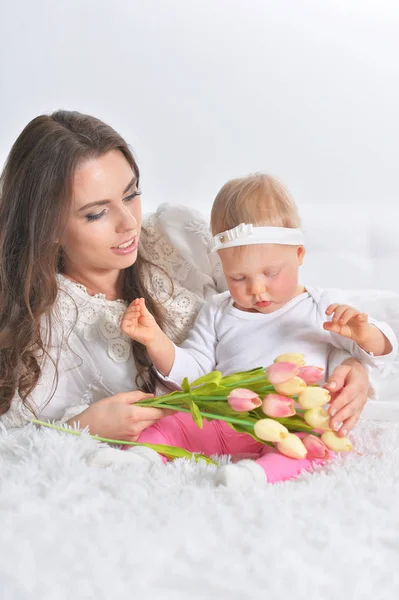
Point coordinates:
[(204, 90)]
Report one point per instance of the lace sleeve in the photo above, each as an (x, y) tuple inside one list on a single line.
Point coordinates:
[(176, 240)]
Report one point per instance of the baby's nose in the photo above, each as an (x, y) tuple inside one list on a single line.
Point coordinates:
[(258, 287)]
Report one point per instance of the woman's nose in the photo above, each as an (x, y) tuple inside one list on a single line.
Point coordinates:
[(126, 221)]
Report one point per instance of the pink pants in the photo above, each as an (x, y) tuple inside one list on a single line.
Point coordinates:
[(218, 438)]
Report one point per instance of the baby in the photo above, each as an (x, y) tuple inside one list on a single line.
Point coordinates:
[(265, 313)]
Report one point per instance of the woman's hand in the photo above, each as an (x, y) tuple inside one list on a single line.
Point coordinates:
[(348, 386), (118, 418)]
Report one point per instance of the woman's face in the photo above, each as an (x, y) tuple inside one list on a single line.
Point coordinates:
[(103, 227)]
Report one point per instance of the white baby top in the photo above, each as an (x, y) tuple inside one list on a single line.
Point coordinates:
[(230, 340)]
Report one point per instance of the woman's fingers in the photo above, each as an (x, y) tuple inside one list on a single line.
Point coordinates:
[(349, 395), (349, 424), (337, 379), (346, 412), (135, 396), (145, 413), (137, 428)]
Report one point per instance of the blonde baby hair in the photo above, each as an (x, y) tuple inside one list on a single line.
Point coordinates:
[(258, 199)]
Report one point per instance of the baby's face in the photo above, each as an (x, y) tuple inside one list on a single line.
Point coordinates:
[(263, 277)]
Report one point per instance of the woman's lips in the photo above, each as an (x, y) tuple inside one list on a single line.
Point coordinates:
[(127, 250)]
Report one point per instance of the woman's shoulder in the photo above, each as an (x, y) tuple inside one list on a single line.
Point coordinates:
[(181, 234), (177, 215), (183, 227)]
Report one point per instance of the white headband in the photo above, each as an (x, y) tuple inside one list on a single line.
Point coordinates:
[(246, 234)]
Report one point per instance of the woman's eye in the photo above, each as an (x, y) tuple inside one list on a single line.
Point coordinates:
[(132, 196), (95, 217)]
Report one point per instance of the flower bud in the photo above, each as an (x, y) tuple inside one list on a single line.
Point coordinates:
[(274, 405), (243, 400), (315, 447), (335, 443), (292, 357), (293, 386), (310, 375), (292, 446), (318, 418), (270, 431), (281, 371), (313, 396)]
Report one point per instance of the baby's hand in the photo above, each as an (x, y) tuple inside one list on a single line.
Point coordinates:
[(348, 322), (139, 324)]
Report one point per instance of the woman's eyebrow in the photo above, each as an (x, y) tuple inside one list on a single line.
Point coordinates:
[(131, 184), (102, 202)]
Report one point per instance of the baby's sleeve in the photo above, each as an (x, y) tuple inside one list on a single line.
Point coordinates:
[(197, 355)]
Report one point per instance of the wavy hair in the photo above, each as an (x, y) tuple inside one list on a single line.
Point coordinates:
[(35, 198)]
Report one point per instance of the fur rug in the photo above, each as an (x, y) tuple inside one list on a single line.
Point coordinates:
[(73, 531)]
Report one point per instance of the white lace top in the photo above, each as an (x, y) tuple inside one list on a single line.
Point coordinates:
[(93, 357)]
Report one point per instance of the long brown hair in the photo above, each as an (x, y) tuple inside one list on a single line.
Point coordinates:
[(35, 197)]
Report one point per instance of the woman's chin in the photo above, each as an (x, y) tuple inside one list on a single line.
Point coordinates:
[(123, 262)]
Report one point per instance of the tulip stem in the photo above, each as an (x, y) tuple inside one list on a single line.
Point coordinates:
[(204, 414), (253, 380)]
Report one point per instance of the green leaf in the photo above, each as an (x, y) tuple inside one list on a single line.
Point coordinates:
[(170, 452), (195, 412), (185, 385), (209, 389), (219, 408), (243, 376), (212, 377), (173, 397)]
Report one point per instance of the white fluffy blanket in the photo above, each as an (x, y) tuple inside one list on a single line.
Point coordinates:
[(73, 531)]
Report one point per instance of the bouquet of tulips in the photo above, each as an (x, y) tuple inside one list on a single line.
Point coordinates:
[(280, 405)]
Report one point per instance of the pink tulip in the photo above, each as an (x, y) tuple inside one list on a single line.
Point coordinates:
[(280, 372), (310, 375), (315, 447), (243, 400), (274, 405)]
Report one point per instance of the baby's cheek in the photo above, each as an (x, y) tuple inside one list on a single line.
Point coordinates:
[(286, 287)]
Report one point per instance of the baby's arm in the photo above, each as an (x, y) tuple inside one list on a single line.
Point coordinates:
[(139, 324), (194, 358), (350, 323)]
